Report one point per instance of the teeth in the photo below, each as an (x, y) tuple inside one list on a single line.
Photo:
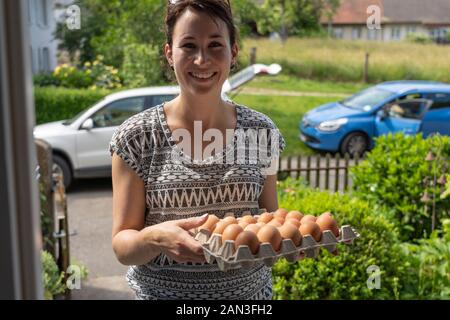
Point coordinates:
[(203, 75)]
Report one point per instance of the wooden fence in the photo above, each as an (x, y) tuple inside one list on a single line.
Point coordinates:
[(324, 172)]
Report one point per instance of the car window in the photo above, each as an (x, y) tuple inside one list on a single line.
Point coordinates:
[(367, 99), (117, 112), (158, 99), (407, 109), (440, 100)]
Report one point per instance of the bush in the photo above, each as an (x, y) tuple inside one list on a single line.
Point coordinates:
[(51, 276), (393, 175), (142, 66), (45, 79), (54, 104), (418, 38), (343, 276), (431, 262)]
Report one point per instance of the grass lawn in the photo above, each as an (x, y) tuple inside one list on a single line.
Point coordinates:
[(343, 61), (292, 83), (286, 112)]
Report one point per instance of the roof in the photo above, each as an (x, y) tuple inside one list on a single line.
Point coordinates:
[(144, 92), (411, 85), (394, 11)]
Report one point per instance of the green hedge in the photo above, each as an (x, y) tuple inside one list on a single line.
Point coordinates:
[(393, 175), (54, 104), (343, 276)]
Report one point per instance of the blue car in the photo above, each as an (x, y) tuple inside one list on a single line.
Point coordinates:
[(349, 126)]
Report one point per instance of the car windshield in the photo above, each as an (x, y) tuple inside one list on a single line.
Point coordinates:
[(367, 99), (72, 120)]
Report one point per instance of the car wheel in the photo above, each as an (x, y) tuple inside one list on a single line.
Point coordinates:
[(355, 143), (60, 166)]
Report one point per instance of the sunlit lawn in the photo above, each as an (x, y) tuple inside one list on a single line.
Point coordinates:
[(286, 112)]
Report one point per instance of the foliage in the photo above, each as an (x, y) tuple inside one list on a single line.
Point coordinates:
[(93, 75), (45, 79), (431, 261), (392, 175), (446, 192), (53, 104), (419, 38), (51, 276), (46, 227), (344, 276), (141, 66)]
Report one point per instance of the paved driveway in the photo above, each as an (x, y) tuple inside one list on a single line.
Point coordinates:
[(90, 214)]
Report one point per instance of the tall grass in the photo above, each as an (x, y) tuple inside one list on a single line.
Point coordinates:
[(341, 60)]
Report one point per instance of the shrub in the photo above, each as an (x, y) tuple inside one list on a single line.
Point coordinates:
[(142, 66), (54, 104), (343, 276), (393, 175), (418, 38), (51, 276), (45, 79), (431, 262)]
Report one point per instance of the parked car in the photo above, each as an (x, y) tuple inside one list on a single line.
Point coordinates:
[(350, 125), (80, 144)]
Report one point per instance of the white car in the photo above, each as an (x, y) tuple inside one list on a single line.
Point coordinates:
[(80, 145)]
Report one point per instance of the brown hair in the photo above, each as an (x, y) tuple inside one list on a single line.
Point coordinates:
[(214, 8)]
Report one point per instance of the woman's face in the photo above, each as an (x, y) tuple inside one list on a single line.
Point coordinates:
[(201, 53)]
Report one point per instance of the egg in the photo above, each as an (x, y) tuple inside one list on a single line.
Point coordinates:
[(289, 231), (231, 232), (220, 226), (253, 228), (247, 238), (279, 219), (308, 217), (230, 219), (294, 215), (312, 229), (243, 224), (249, 219), (326, 222), (275, 223), (260, 224), (280, 213), (293, 221), (271, 235), (265, 217), (210, 224)]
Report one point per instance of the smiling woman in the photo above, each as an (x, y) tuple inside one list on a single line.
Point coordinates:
[(159, 196)]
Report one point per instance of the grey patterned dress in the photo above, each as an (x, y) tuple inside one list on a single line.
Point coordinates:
[(182, 189)]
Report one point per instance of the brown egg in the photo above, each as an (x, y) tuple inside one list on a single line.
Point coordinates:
[(289, 231), (243, 224), (279, 219), (312, 229), (230, 219), (275, 223), (210, 224), (280, 213), (253, 228), (220, 226), (247, 238), (326, 222), (265, 217), (249, 219), (294, 215), (308, 217), (271, 235), (293, 221), (260, 224), (231, 232)]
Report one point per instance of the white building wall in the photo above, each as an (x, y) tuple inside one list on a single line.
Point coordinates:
[(42, 24), (386, 33)]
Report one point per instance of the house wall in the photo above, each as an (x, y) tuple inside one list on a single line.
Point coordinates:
[(42, 24), (386, 33)]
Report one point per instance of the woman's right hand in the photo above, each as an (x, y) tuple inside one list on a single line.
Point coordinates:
[(174, 240)]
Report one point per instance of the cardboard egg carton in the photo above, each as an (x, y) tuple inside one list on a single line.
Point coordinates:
[(226, 256)]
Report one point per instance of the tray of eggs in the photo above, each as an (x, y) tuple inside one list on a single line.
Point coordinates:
[(241, 242)]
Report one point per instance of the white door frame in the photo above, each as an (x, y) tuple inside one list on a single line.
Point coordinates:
[(20, 232)]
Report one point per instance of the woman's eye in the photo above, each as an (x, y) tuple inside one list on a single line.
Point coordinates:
[(216, 44), (189, 45)]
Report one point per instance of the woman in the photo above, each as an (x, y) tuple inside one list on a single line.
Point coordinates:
[(161, 190)]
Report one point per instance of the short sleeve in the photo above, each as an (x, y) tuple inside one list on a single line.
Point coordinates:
[(126, 142), (276, 145)]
